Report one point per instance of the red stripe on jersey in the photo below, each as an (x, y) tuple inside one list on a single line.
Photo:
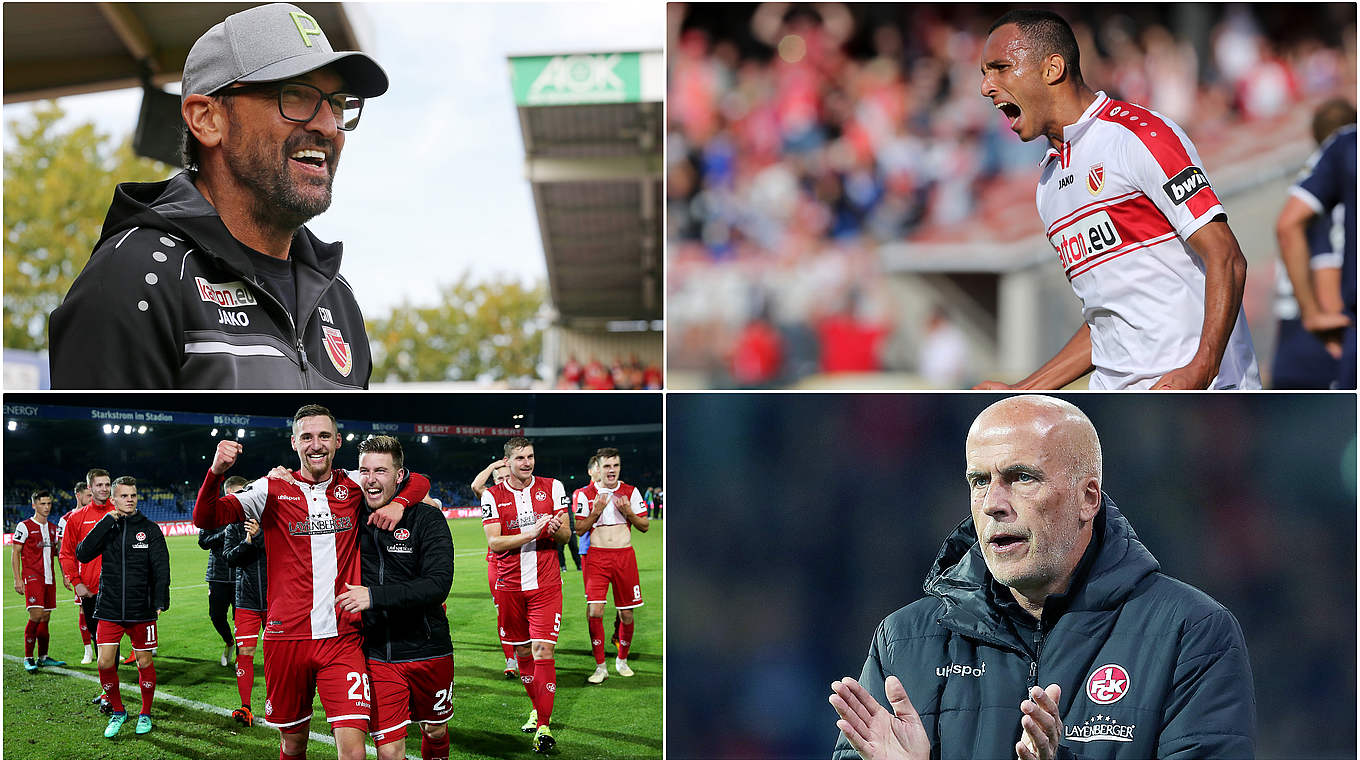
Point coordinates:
[(1092, 263), (1162, 142), (1088, 209)]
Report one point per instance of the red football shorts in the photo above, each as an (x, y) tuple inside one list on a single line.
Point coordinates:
[(295, 671), (526, 615), (40, 595), (406, 692), (142, 635), (617, 568), (491, 580), (248, 625)]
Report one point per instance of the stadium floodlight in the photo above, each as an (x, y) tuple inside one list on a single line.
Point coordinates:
[(127, 430), (240, 432), (424, 439), (141, 430), (12, 426), (349, 437), (214, 433), (108, 429)]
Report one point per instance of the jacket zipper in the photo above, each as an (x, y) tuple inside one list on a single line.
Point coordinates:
[(1038, 651), (382, 575), (292, 323), (122, 545)]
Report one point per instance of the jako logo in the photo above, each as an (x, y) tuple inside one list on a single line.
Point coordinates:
[(956, 669), (1184, 185), (1086, 237)]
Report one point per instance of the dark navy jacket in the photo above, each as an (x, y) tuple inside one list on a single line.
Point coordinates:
[(1150, 667), (134, 577), (247, 562), (408, 571)]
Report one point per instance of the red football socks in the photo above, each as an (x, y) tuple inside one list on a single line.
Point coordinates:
[(625, 639), (146, 678), (431, 749), (596, 626), (42, 639), (245, 676), (84, 629), (30, 637), (108, 678), (545, 673), (526, 677)]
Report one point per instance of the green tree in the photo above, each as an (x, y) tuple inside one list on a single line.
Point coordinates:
[(59, 180), (480, 331)]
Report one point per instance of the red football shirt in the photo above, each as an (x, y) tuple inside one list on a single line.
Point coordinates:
[(533, 565), (78, 523), (35, 540)]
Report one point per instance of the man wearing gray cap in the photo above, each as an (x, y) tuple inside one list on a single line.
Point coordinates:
[(210, 279)]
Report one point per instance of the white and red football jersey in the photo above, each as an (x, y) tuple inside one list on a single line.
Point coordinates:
[(533, 565), (311, 538), (611, 515), (35, 540), (1118, 201)]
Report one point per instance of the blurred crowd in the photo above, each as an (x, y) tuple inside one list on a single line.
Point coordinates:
[(802, 137), (632, 375)]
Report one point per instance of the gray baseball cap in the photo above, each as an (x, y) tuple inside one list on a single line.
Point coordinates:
[(269, 43)]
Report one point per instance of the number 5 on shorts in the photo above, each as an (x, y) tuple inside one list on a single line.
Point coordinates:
[(557, 623)]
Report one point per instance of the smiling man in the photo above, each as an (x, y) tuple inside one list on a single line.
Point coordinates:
[(210, 279), (1129, 210), (1047, 630)]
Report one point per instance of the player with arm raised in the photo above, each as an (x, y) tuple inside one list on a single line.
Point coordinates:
[(608, 511), (1138, 230), (310, 535), (34, 578), (407, 573), (523, 517), (496, 472)]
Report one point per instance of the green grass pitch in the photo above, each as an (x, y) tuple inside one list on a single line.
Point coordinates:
[(49, 715)]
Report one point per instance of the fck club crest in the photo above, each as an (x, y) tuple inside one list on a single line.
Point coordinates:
[(1095, 179), (337, 349), (1107, 684), (341, 493), (540, 496), (141, 536), (401, 534)]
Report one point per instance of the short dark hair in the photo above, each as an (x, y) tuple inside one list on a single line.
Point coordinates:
[(126, 480), (314, 410), (606, 453), (233, 481), (1331, 116), (1049, 31), (95, 473), (384, 444), (590, 463), (82, 486), (41, 493), (518, 442)]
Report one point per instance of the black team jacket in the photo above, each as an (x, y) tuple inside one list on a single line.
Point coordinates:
[(134, 579), (408, 572), (1150, 667), (248, 562), (218, 571), (176, 298)]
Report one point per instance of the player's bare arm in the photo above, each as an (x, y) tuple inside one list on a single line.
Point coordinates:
[(1071, 362), (18, 576), (478, 484), (625, 507), (875, 733), (1318, 294), (1225, 277), (354, 599)]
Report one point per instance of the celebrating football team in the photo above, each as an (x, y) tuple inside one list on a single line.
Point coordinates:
[(351, 596)]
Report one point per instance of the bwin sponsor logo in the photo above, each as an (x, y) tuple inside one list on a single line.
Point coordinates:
[(956, 669), (1189, 181)]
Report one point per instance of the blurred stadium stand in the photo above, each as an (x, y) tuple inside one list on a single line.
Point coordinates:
[(841, 199)]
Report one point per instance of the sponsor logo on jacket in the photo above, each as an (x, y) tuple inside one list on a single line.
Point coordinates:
[(955, 669), (1107, 684), (233, 295), (1100, 728)]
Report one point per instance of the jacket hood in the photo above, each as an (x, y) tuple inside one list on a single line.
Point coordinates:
[(1104, 579), (176, 206)]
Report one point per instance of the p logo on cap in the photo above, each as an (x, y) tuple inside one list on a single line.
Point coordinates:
[(312, 27)]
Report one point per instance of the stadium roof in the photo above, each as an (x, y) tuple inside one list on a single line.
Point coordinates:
[(592, 128), (56, 49)]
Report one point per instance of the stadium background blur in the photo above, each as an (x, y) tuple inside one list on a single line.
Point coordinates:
[(827, 511), (170, 460), (845, 209)]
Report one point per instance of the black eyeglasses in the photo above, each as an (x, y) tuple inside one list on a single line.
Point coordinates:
[(301, 102)]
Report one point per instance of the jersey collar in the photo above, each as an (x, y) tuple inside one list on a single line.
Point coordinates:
[(1072, 131)]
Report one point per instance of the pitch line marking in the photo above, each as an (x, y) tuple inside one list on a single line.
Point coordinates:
[(196, 705)]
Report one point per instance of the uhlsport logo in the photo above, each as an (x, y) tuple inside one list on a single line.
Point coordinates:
[(955, 669), (1095, 179), (1100, 728), (1107, 684), (401, 534)]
